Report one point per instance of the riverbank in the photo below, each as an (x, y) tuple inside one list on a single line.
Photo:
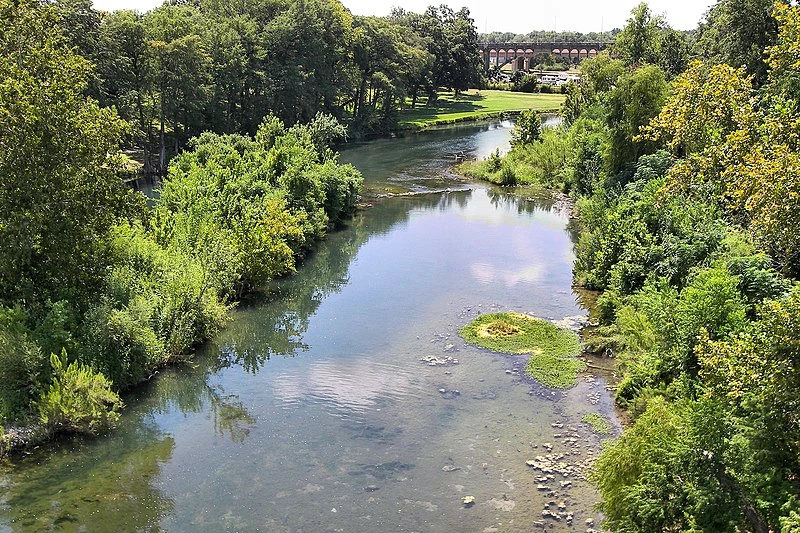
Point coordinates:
[(287, 402), (474, 105)]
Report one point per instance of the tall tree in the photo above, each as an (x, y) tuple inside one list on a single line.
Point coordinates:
[(635, 100), (60, 191), (125, 66), (308, 58), (736, 32), (638, 41), (452, 41)]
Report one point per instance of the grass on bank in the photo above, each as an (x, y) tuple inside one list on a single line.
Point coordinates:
[(475, 104), (550, 346)]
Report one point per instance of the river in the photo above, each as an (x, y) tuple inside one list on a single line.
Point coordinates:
[(321, 407)]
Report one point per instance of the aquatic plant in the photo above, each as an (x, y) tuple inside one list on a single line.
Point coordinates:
[(515, 333), (598, 423), (553, 371), (549, 345), (78, 400)]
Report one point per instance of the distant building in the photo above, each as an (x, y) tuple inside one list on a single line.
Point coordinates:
[(556, 78)]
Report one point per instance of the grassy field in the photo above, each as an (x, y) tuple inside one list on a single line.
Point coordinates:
[(473, 105)]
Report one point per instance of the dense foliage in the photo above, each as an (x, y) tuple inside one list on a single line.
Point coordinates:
[(184, 68), (687, 193), (97, 290)]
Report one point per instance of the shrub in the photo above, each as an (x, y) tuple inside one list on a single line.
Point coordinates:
[(508, 174), (78, 400), (494, 161), (527, 129), (23, 368)]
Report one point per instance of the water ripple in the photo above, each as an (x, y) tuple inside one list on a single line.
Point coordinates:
[(346, 386)]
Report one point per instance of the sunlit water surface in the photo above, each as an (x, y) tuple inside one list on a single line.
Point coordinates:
[(313, 410)]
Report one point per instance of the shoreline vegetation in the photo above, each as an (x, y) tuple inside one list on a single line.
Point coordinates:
[(683, 170), (175, 274), (474, 105), (684, 180)]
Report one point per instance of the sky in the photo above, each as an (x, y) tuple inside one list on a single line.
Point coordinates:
[(517, 16)]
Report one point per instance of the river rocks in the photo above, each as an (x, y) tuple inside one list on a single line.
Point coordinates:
[(485, 395), (468, 501), (572, 323), (449, 394), (593, 398), (547, 513), (432, 360), (553, 464)]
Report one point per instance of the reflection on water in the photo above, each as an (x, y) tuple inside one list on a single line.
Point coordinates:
[(347, 387), (421, 162), (343, 399), (113, 490)]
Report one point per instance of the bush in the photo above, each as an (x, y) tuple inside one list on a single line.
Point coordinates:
[(643, 232), (158, 303), (494, 161), (508, 174), (263, 201), (78, 400), (527, 129), (23, 368)]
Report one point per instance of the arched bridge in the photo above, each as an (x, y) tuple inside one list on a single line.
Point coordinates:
[(522, 56)]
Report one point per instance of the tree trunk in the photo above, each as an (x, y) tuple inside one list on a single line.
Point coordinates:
[(162, 151), (750, 512)]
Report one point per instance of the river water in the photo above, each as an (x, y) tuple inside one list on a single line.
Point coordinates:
[(321, 406)]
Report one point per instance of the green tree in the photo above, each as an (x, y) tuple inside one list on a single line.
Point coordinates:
[(308, 59), (674, 52), (638, 43), (736, 32), (633, 102), (452, 41), (180, 72), (126, 71), (61, 191), (527, 129)]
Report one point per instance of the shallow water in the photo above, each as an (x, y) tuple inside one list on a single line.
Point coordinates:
[(315, 411)]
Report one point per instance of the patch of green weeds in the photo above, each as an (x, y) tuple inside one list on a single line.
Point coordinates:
[(598, 423), (515, 333), (553, 371)]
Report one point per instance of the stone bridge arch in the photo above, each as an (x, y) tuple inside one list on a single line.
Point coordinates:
[(522, 55)]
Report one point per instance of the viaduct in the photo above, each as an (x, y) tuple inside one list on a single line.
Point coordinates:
[(522, 56)]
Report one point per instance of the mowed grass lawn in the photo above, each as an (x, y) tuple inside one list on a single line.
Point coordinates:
[(475, 104)]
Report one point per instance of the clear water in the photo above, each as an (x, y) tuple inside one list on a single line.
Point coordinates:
[(314, 410)]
